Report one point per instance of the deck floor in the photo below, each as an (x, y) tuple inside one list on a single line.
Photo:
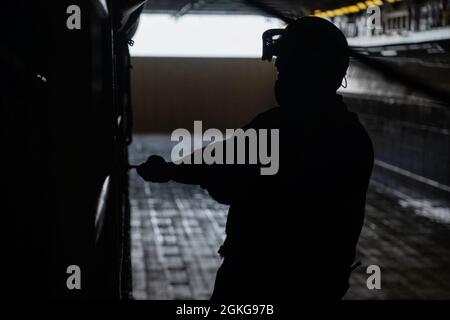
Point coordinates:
[(177, 230)]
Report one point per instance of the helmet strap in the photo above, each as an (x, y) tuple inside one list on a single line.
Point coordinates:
[(345, 80)]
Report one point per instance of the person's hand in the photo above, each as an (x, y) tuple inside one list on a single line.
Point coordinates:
[(155, 169)]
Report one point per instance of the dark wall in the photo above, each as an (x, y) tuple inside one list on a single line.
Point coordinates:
[(410, 131), (60, 102), (412, 137), (43, 99), (170, 93)]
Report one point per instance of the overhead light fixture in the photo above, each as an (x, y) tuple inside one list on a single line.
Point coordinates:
[(338, 12), (361, 5), (353, 9)]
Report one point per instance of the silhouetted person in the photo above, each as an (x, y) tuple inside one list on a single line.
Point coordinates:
[(292, 234)]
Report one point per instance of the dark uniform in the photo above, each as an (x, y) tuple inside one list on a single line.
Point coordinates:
[(294, 234)]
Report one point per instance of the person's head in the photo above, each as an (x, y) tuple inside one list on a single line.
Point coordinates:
[(312, 58)]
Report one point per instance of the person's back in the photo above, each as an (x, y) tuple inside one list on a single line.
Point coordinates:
[(294, 234)]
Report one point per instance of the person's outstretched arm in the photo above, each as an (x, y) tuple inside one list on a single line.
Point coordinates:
[(224, 182)]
